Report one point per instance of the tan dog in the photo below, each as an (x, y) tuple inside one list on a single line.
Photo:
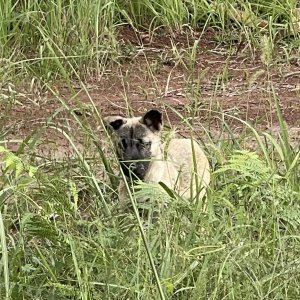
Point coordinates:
[(181, 165)]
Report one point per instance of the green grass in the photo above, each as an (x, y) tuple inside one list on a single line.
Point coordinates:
[(63, 234), (246, 246), (34, 34)]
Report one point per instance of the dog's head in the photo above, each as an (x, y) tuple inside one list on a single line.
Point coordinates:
[(137, 140)]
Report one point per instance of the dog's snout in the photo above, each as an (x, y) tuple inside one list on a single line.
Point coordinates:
[(133, 165), (137, 169)]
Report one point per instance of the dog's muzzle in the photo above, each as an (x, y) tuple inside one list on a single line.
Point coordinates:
[(135, 169)]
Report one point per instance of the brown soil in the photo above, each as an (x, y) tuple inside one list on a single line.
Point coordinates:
[(238, 85)]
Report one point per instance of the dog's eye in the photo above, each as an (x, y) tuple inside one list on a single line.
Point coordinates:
[(124, 144), (140, 144), (143, 145)]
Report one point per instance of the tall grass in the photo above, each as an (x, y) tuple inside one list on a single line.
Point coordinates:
[(59, 242), (33, 33), (64, 235)]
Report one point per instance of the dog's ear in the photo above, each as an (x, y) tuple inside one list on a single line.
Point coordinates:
[(153, 120), (114, 122)]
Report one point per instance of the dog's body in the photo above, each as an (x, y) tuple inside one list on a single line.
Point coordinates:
[(181, 164)]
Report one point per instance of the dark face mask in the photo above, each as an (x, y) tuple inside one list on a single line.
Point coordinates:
[(135, 158)]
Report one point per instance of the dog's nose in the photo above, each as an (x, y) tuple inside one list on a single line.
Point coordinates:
[(133, 165)]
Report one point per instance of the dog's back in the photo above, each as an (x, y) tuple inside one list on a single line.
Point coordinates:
[(186, 168)]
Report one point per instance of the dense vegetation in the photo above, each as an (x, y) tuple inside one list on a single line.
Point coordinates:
[(63, 234), (47, 36)]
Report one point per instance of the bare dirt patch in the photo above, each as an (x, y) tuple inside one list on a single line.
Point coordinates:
[(153, 77)]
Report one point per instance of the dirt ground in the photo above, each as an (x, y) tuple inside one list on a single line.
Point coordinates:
[(150, 77)]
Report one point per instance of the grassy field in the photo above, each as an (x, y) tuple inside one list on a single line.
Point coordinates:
[(63, 234)]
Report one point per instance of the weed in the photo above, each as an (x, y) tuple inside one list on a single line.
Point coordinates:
[(63, 233)]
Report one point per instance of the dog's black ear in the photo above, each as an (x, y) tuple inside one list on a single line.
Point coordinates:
[(153, 119), (114, 122), (117, 124)]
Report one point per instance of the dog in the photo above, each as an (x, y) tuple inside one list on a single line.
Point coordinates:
[(180, 165)]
